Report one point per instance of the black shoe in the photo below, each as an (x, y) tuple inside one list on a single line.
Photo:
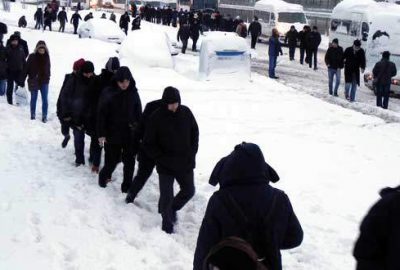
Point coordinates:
[(33, 117), (103, 183), (167, 227), (77, 164), (125, 187), (65, 141), (335, 95), (129, 199), (44, 119)]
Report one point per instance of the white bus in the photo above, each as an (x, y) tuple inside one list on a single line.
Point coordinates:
[(376, 25)]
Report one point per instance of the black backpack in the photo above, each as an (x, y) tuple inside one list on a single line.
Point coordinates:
[(258, 234)]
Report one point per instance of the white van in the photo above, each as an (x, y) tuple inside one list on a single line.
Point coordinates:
[(376, 25), (280, 15)]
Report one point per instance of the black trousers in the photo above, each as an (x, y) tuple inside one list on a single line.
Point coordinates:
[(253, 41), (64, 129), (62, 26), (302, 54), (114, 153), (184, 45), (95, 151), (312, 55), (76, 28), (168, 203), (79, 144), (382, 95), (194, 47), (145, 169)]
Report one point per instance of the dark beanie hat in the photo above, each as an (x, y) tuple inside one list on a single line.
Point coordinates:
[(386, 55), (78, 64), (335, 40), (171, 95), (14, 37), (357, 43), (112, 64), (88, 67), (122, 74)]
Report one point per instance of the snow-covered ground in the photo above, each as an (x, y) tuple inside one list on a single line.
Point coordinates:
[(332, 161)]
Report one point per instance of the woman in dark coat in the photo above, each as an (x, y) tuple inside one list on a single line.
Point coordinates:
[(354, 60), (38, 73), (244, 177)]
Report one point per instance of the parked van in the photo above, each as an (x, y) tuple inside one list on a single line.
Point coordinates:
[(376, 25), (280, 15)]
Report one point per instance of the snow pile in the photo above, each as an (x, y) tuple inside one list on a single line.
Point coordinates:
[(147, 49), (277, 6)]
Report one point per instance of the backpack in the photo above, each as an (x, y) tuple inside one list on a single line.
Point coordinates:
[(258, 236)]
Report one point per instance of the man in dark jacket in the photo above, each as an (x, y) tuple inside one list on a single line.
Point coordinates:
[(172, 140), (383, 72), (354, 62), (48, 17), (313, 41), (146, 163), (74, 104), (244, 179), (378, 245), (274, 49), (65, 126), (15, 66), (38, 17), (303, 43), (254, 31), (21, 42), (334, 62), (183, 35), (124, 22), (90, 16), (22, 22), (75, 21), (3, 69), (291, 40), (63, 19), (195, 31), (119, 114)]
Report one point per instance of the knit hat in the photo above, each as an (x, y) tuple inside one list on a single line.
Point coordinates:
[(122, 74), (18, 33), (171, 95), (78, 64), (335, 40), (87, 67), (14, 37), (112, 64), (357, 43)]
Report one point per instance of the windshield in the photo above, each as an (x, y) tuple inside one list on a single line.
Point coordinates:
[(292, 17)]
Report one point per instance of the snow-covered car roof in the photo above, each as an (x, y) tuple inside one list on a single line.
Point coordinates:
[(277, 6)]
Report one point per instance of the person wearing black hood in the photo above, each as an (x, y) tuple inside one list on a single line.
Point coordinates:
[(245, 200), (378, 245), (119, 113), (38, 17), (183, 35), (74, 107), (124, 22), (172, 140), (75, 21), (102, 81), (195, 31), (63, 19), (21, 42)]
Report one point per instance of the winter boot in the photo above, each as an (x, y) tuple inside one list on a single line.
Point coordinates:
[(129, 198), (65, 141), (125, 187), (167, 227), (103, 183)]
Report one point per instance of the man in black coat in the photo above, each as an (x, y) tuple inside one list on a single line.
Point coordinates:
[(383, 72), (183, 35), (38, 17), (313, 41), (75, 21), (15, 66), (124, 22), (172, 140), (22, 43), (254, 31), (119, 113), (195, 31), (244, 178), (74, 104), (334, 62), (146, 163), (354, 62), (291, 40), (378, 245), (63, 19), (3, 69), (303, 43)]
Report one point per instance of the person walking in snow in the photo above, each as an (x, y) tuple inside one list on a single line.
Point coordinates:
[(246, 206), (74, 104), (75, 21), (313, 42), (38, 17), (15, 66), (303, 43), (113, 17), (334, 62), (63, 19), (146, 163), (383, 72), (354, 62), (22, 22), (118, 118), (254, 31), (3, 69), (38, 74), (89, 16), (183, 35), (48, 18), (274, 49), (65, 124), (124, 21), (195, 31), (241, 29), (21, 42), (174, 151), (379, 242), (291, 40)]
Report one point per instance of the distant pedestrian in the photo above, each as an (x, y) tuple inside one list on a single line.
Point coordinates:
[(379, 242), (274, 49), (313, 42), (195, 31), (63, 19), (254, 31), (183, 35), (354, 62), (113, 17), (241, 29), (136, 22), (383, 73), (38, 16), (334, 62), (3, 69), (48, 18), (38, 74), (22, 22), (75, 21), (89, 16), (174, 151), (103, 16), (124, 22), (291, 38), (303, 43)]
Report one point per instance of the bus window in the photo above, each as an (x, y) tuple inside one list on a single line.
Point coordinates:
[(364, 31), (272, 16), (291, 17), (263, 15), (355, 29)]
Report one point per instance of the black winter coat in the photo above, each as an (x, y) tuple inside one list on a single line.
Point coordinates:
[(291, 38), (75, 18), (255, 29), (334, 57), (62, 17), (246, 178), (172, 140), (353, 61), (22, 43), (183, 32), (303, 39), (313, 40), (378, 246), (195, 30), (16, 59), (119, 113), (37, 70), (59, 113), (383, 72), (3, 62), (124, 21)]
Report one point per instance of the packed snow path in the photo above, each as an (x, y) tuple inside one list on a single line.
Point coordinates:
[(332, 161)]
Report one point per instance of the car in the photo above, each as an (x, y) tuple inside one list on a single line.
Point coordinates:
[(394, 87), (101, 29)]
